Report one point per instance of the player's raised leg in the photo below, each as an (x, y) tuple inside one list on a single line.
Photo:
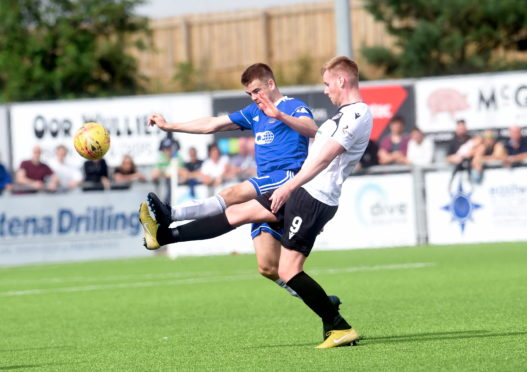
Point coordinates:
[(211, 206)]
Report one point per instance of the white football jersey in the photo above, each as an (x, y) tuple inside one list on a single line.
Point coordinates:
[(351, 128)]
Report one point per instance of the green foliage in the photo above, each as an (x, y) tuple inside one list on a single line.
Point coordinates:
[(437, 37), (68, 48), (190, 78)]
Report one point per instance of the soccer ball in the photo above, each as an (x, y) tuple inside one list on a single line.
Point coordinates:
[(92, 141)]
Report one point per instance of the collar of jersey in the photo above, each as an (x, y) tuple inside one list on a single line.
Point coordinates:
[(280, 100), (349, 104)]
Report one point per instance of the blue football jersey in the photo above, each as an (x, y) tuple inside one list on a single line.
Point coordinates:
[(276, 145)]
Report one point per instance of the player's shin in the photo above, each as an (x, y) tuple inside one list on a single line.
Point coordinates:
[(205, 228), (317, 300), (199, 208)]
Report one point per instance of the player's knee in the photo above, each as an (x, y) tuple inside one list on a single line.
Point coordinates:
[(269, 271)]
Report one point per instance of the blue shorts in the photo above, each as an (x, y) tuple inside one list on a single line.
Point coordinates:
[(263, 184)]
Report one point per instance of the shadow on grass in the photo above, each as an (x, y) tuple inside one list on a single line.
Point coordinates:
[(415, 337), (35, 348), (437, 336), (25, 366)]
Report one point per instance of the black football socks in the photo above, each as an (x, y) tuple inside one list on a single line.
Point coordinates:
[(317, 300), (204, 228)]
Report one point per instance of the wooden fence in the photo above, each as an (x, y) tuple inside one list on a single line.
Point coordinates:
[(210, 51)]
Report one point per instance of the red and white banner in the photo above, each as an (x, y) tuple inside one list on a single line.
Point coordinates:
[(484, 101)]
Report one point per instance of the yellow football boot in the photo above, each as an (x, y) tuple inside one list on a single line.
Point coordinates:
[(340, 337), (149, 226)]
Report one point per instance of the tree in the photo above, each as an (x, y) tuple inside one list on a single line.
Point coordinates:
[(436, 37), (53, 49)]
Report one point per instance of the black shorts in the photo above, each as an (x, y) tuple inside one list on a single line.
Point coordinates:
[(302, 218)]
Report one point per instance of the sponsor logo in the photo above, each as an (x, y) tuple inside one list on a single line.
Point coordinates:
[(256, 118), (447, 101), (461, 206), (264, 138), (376, 207), (67, 222)]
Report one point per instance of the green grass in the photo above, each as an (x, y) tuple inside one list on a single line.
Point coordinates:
[(448, 308)]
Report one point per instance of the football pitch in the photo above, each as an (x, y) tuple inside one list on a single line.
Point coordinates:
[(420, 308)]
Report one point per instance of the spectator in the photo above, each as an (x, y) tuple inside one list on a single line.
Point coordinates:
[(161, 170), (34, 176), (190, 173), (370, 158), (243, 164), (420, 149), (394, 146), (216, 168), (126, 173), (6, 183), (461, 136), (69, 175), (516, 147), (488, 151), (95, 176)]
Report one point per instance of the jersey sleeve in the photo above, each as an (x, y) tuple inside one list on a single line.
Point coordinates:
[(353, 128), (243, 117)]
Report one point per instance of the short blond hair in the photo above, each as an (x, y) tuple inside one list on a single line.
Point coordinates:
[(343, 64)]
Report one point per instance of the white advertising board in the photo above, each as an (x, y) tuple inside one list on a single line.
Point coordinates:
[(374, 211), (485, 101), (52, 123), (495, 210), (4, 138), (72, 227)]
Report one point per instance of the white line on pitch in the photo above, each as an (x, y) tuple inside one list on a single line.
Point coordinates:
[(208, 279)]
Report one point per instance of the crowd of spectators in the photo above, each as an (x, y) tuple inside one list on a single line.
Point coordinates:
[(464, 152)]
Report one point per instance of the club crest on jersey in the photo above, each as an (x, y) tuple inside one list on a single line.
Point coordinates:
[(264, 138)]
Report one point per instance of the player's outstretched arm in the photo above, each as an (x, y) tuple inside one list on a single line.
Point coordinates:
[(200, 126), (303, 124), (309, 170)]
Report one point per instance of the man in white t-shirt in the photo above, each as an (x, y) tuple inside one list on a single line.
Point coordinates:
[(69, 175), (420, 149), (305, 203), (215, 168)]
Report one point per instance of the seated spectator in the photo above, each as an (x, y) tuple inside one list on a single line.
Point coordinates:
[(95, 176), (161, 170), (369, 158), (461, 136), (6, 183), (190, 173), (516, 147), (34, 176), (216, 168), (126, 173), (488, 151), (394, 146), (69, 175), (420, 149), (243, 165)]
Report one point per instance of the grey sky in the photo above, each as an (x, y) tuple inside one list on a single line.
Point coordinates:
[(170, 8)]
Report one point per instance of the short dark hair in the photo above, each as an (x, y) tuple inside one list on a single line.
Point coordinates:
[(259, 71), (397, 118), (461, 121)]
